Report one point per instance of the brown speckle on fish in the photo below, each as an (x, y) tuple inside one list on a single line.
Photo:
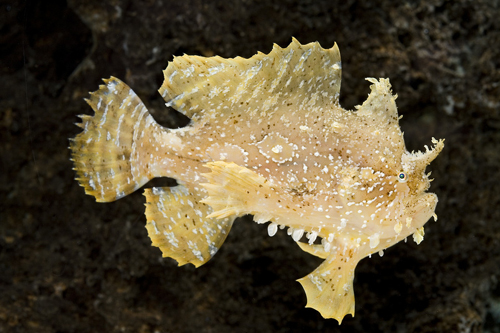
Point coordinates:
[(267, 137)]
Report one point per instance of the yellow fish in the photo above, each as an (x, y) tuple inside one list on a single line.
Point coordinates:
[(267, 137)]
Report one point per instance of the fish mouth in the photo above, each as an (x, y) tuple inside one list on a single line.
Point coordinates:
[(423, 209)]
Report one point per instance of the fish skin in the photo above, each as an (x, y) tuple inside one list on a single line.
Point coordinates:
[(267, 137)]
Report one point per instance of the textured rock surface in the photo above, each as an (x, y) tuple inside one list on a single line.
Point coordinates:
[(70, 264)]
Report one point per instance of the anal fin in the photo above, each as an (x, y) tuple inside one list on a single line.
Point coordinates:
[(177, 223), (329, 288)]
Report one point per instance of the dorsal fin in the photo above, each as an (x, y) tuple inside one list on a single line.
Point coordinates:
[(380, 102), (296, 77)]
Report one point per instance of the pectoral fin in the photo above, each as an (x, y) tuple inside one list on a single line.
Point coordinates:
[(329, 287), (234, 190), (177, 223)]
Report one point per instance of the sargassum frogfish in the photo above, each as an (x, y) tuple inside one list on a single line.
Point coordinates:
[(267, 137)]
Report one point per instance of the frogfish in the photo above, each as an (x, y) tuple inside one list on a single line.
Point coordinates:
[(266, 137)]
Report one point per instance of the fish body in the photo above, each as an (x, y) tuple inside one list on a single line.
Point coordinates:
[(267, 137)]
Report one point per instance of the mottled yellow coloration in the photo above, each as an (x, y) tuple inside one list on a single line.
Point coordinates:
[(267, 137)]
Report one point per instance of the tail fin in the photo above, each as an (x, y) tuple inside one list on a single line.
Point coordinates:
[(106, 155)]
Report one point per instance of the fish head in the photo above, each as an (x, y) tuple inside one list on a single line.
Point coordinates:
[(420, 205)]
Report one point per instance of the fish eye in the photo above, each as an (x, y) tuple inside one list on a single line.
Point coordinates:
[(402, 177)]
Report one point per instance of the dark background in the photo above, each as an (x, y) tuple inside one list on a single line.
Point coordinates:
[(69, 264)]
